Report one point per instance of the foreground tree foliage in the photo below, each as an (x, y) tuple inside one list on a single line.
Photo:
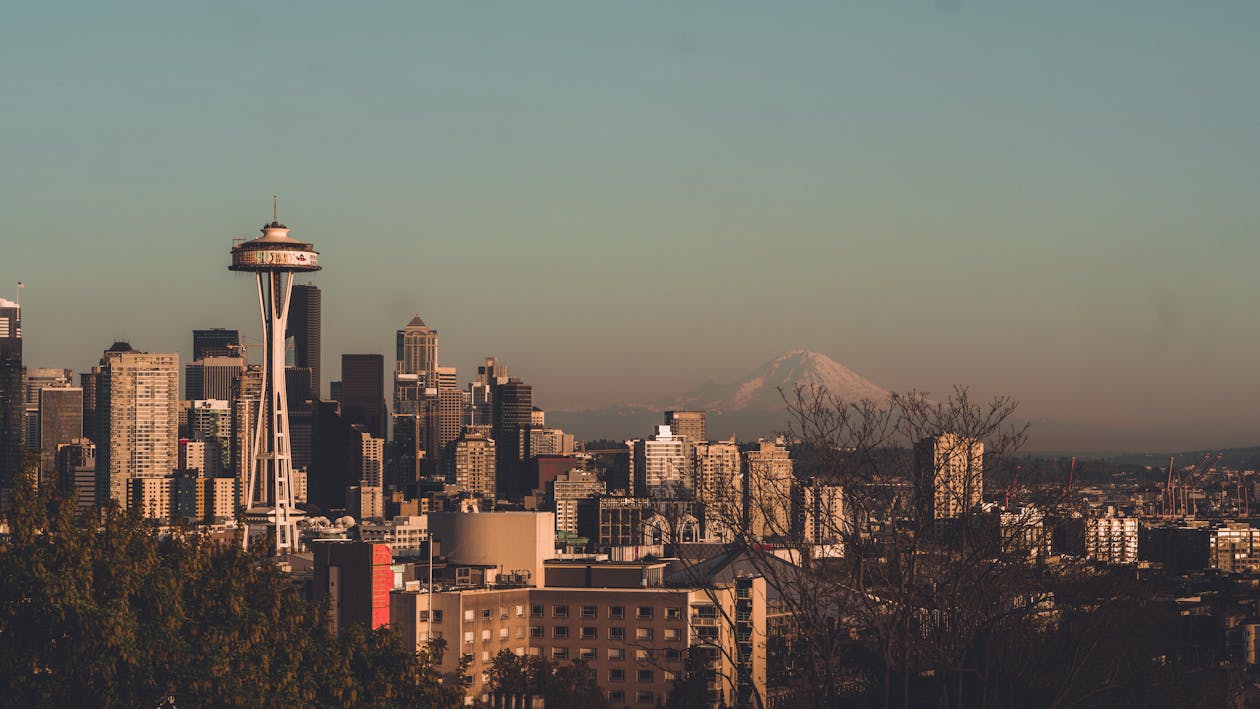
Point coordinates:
[(523, 679), (105, 613)]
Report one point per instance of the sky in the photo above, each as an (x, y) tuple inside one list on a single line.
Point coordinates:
[(1051, 201)]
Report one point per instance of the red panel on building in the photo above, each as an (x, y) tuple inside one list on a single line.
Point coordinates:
[(382, 584)]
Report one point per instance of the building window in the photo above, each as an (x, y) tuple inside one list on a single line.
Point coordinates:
[(673, 654), (646, 676), (535, 631), (485, 635), (673, 613), (617, 612), (559, 611), (617, 696), (643, 613), (560, 631), (503, 633), (588, 633), (668, 676), (642, 633), (642, 655), (485, 614), (586, 653), (536, 611), (644, 698), (616, 674), (437, 616), (468, 638), (617, 633), (671, 633), (468, 616), (520, 611), (616, 654), (560, 653), (707, 611), (588, 611)]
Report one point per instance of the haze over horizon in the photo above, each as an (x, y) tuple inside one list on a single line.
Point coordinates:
[(1052, 203)]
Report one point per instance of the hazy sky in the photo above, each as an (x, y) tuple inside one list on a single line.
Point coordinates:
[(1056, 201)]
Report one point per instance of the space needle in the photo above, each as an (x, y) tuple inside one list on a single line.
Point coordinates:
[(275, 258)]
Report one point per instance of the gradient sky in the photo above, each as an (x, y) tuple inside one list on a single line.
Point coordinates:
[(1056, 201)]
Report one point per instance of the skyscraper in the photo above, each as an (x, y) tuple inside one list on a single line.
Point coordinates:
[(948, 479), (11, 394), (304, 329), (60, 422), (472, 465), (511, 410), (363, 391), (138, 407), (215, 342), (212, 377), (417, 349), (34, 380)]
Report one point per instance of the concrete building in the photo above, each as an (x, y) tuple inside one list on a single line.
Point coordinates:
[(1107, 537), (210, 421), (818, 510), (473, 463), (662, 465), (371, 460), (138, 404), (516, 543), (949, 475), (365, 502), (690, 424), (152, 497), (768, 481), (404, 533), (1234, 547), (719, 487), (35, 380), (614, 521)]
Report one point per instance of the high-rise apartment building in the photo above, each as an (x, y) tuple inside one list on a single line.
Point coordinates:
[(719, 487), (691, 424), (768, 482), (662, 467), (304, 329), (11, 399), (819, 512), (371, 460), (60, 422), (363, 391), (138, 401), (210, 421), (568, 490), (215, 342), (473, 465), (948, 475), (212, 377)]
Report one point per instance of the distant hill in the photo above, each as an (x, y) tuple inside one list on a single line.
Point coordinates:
[(749, 407)]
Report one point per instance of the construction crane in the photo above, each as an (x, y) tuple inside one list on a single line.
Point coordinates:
[(1177, 490)]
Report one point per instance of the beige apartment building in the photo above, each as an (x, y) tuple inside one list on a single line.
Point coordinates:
[(634, 638)]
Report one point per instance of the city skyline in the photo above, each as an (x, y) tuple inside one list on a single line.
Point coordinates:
[(1052, 204)]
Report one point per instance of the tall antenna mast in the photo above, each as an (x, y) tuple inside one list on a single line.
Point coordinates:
[(275, 207)]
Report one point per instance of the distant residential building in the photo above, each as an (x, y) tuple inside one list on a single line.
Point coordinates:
[(365, 502), (548, 441), (138, 399), (152, 497), (1234, 547), (614, 521), (1018, 531), (371, 460), (210, 421), (1107, 537), (819, 512), (473, 465), (662, 467), (402, 533), (768, 481), (691, 424), (719, 487), (949, 475)]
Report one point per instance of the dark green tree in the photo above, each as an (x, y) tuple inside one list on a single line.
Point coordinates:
[(98, 609)]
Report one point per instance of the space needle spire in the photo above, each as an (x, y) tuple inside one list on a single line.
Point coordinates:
[(274, 258)]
